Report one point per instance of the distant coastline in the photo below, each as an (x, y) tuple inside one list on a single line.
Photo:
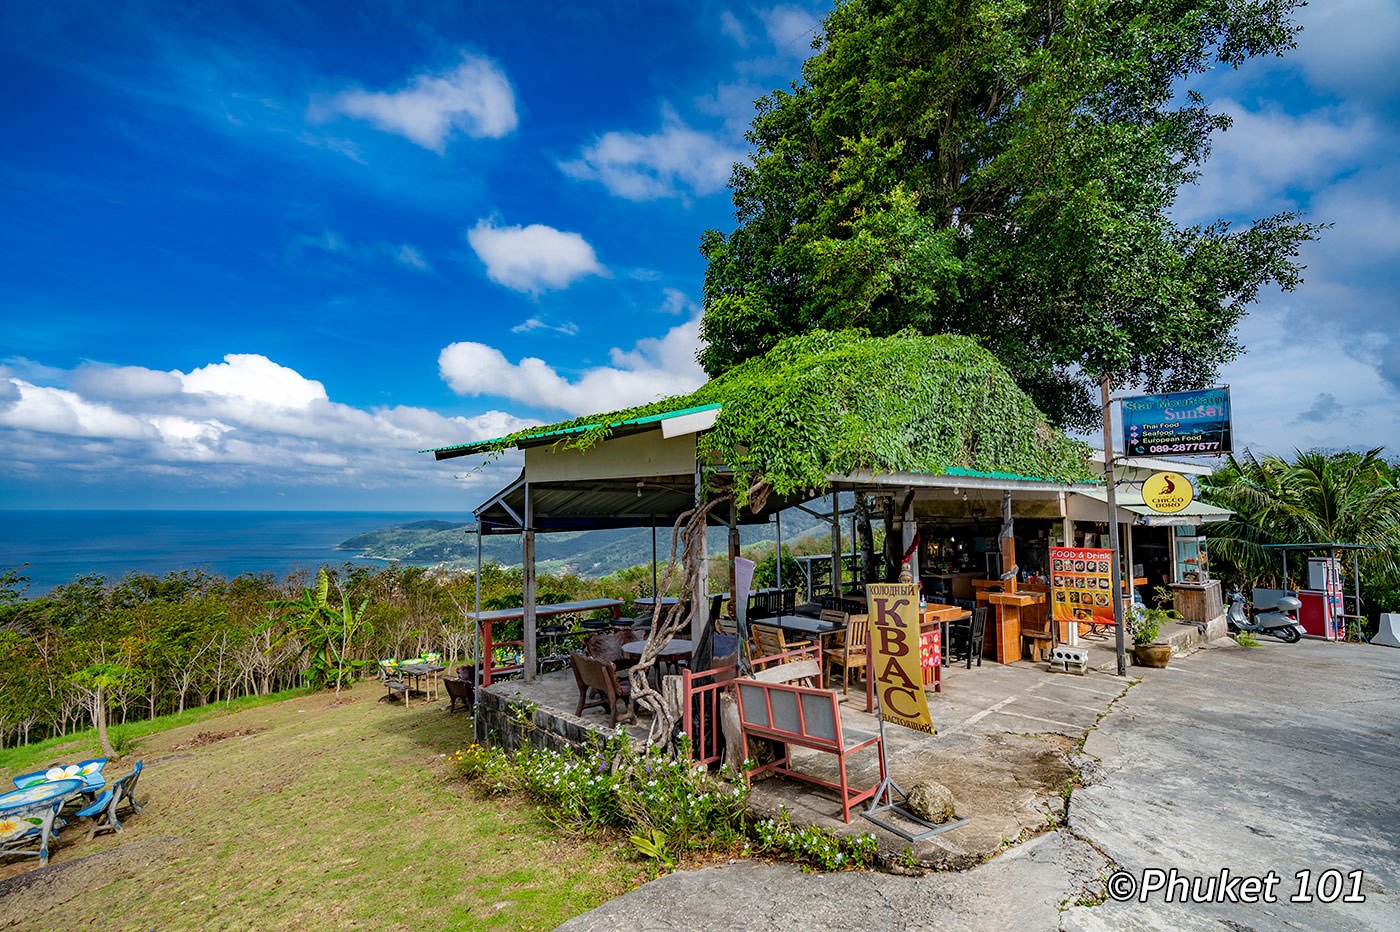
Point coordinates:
[(59, 545)]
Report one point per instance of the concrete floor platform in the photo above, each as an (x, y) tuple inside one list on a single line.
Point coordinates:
[(1004, 744)]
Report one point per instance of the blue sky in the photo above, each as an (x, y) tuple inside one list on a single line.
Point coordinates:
[(257, 256)]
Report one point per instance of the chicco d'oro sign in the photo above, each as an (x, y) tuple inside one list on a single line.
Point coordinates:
[(1167, 492)]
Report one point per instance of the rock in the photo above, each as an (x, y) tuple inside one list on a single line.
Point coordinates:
[(932, 802)]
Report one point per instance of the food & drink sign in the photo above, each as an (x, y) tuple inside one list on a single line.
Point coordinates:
[(1181, 423), (894, 654), (1081, 585)]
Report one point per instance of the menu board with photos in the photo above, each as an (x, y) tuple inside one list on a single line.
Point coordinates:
[(1081, 584)]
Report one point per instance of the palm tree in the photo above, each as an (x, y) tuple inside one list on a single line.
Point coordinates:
[(1318, 498)]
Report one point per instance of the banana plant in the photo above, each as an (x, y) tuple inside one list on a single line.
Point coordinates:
[(327, 633)]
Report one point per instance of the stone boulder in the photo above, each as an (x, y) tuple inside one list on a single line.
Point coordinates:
[(932, 802)]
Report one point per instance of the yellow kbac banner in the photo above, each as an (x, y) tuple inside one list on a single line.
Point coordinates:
[(894, 651)]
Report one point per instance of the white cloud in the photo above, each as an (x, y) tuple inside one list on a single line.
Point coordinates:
[(654, 368), (410, 256), (729, 25), (675, 301), (533, 258), (56, 410), (568, 328), (1322, 391), (790, 29), (1350, 47), (475, 98), (673, 161), (244, 421), (1266, 158), (257, 380), (332, 243), (733, 102)]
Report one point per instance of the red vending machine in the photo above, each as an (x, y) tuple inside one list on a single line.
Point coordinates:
[(1321, 614)]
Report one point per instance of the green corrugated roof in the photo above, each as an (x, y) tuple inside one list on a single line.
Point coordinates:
[(976, 474), (531, 439)]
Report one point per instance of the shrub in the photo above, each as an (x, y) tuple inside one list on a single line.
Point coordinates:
[(667, 805)]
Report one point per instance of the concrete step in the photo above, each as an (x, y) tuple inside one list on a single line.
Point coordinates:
[(1184, 636)]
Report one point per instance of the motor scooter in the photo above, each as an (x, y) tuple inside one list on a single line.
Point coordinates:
[(1281, 621)]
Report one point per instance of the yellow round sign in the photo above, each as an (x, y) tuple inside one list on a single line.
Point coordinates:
[(1167, 492)]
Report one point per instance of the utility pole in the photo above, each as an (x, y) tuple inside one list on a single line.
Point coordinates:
[(1116, 578)]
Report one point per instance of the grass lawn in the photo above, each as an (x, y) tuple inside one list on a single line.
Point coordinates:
[(326, 816)]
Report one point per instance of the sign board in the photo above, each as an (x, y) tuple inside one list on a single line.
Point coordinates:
[(1167, 492), (894, 654), (1081, 585), (1190, 423)]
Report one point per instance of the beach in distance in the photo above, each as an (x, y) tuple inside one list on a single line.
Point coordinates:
[(58, 545)]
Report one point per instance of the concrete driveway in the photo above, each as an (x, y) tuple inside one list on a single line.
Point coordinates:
[(1280, 758)]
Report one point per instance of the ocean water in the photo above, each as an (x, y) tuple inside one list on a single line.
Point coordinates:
[(58, 545)]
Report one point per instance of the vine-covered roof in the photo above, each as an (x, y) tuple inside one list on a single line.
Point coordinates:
[(834, 403)]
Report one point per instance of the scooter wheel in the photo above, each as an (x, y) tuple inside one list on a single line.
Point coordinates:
[(1288, 635)]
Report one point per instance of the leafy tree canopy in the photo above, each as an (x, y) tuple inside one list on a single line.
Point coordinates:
[(1006, 170), (824, 404)]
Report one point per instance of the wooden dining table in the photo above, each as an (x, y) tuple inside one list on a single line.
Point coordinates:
[(487, 619), (803, 625)]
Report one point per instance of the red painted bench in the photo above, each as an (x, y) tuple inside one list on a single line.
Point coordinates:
[(809, 718)]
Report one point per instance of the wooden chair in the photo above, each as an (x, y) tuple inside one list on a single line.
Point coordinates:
[(607, 646), (768, 641), (599, 687), (459, 689), (970, 638), (851, 652)]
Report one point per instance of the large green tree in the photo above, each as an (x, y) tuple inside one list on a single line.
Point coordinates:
[(1003, 169)]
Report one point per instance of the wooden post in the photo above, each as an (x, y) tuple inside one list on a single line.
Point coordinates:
[(527, 573), (732, 546), (835, 542), (700, 585), (1128, 538), (778, 520), (700, 590), (908, 528), (1008, 542)]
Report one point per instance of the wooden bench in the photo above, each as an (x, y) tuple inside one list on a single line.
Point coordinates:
[(809, 718)]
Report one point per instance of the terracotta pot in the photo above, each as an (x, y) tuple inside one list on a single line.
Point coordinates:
[(1152, 655)]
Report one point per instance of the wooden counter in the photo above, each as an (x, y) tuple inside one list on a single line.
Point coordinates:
[(1007, 637), (959, 584), (1198, 601)]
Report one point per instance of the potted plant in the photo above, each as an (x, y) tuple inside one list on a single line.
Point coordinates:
[(1146, 625)]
